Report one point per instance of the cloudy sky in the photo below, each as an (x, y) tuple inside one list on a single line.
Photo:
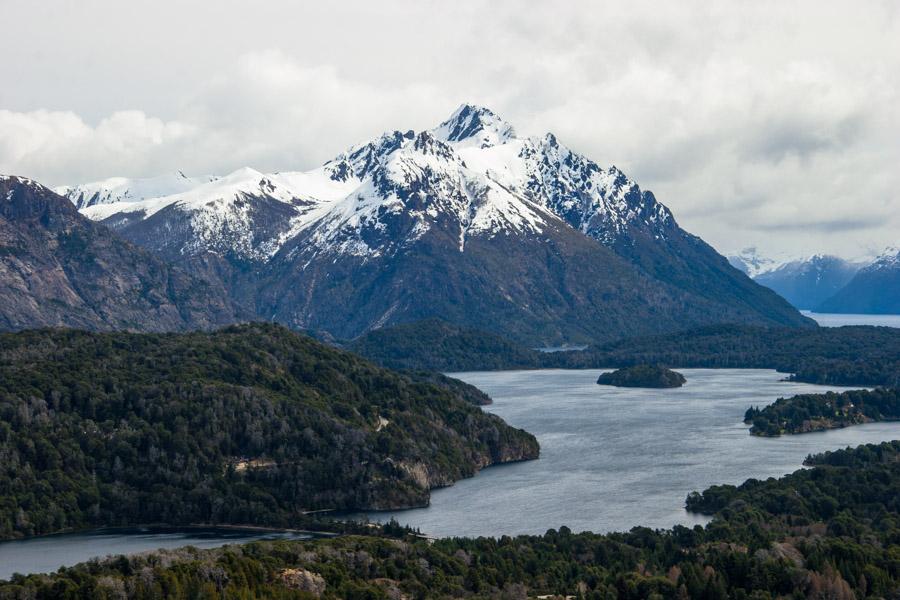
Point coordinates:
[(775, 124)]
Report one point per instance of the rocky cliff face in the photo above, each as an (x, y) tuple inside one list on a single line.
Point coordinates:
[(57, 268)]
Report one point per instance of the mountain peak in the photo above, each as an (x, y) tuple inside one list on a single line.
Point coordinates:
[(889, 259), (474, 125)]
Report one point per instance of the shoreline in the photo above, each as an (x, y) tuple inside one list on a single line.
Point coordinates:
[(166, 527)]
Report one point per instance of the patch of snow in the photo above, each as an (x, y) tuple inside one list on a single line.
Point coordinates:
[(124, 189)]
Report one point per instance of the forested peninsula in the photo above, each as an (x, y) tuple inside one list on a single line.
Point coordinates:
[(252, 424), (826, 532), (816, 412)]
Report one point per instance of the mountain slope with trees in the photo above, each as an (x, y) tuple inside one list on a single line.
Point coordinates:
[(251, 424), (857, 355)]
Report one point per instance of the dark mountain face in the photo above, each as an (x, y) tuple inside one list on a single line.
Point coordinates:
[(466, 222), (559, 287), (873, 290), (808, 283), (57, 268)]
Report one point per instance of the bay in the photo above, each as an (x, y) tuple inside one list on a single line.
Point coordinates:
[(615, 458)]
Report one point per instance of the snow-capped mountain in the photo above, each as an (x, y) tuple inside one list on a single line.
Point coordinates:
[(807, 282), (342, 247), (123, 189), (875, 289), (246, 214), (472, 163), (753, 263)]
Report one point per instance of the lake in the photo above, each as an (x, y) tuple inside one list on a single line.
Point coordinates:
[(613, 458), (46, 554), (838, 320)]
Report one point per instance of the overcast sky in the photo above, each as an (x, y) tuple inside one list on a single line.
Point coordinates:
[(775, 124)]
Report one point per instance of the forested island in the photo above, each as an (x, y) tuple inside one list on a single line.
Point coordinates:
[(816, 412), (859, 355), (832, 531), (252, 424), (643, 376)]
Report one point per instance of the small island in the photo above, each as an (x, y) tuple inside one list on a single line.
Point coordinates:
[(643, 376)]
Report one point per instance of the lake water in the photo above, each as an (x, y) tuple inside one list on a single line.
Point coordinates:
[(613, 458), (46, 554), (837, 320)]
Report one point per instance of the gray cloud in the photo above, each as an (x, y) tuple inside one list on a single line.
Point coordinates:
[(767, 123)]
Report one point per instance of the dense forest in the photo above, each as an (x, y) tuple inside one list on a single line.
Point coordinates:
[(860, 355), (864, 355), (832, 531), (252, 424), (438, 346), (814, 412)]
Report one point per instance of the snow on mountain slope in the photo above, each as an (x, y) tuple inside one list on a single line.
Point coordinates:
[(123, 189), (752, 263), (466, 220), (424, 180), (221, 215), (472, 168), (807, 282), (889, 259), (474, 127), (875, 289), (601, 203)]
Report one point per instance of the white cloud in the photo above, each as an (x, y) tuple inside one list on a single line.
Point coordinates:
[(766, 123)]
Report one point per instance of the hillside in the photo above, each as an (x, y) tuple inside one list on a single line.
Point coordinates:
[(858, 355), (57, 268), (438, 346), (251, 424), (873, 290), (809, 282)]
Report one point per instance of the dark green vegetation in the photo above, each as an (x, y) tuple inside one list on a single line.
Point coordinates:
[(439, 346), (643, 376), (252, 424), (832, 531), (815, 412), (863, 355)]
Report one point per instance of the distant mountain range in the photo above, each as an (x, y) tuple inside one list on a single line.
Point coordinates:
[(468, 222), (828, 284), (875, 289)]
